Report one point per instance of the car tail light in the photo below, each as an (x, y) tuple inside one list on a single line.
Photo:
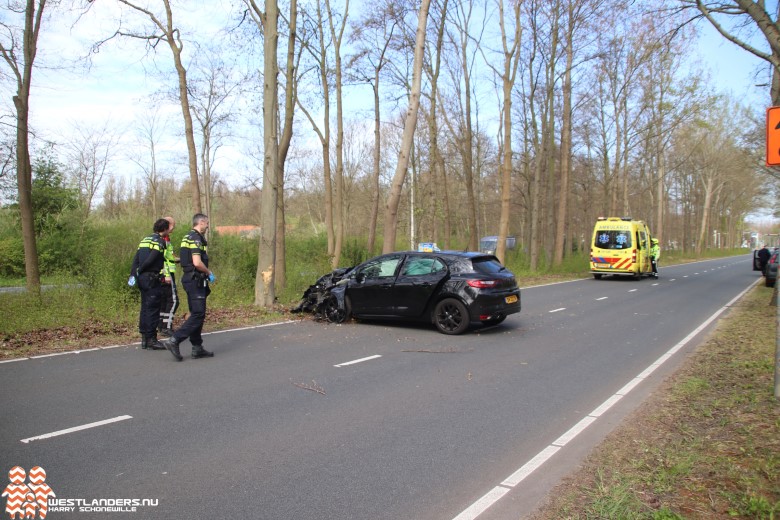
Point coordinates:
[(483, 284)]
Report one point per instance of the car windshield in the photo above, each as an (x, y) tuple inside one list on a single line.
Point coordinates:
[(487, 265), (613, 239)]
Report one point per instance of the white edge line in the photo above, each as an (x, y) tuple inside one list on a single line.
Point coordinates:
[(602, 298), (530, 466), (558, 310), (51, 355), (138, 343), (478, 507), (355, 361), (76, 428), (13, 360), (574, 431)]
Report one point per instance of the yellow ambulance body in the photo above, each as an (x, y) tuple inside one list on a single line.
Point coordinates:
[(620, 246)]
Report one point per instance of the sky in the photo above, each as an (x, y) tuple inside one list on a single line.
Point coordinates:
[(121, 78)]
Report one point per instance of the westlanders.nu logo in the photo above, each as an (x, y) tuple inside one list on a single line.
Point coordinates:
[(35, 499), (28, 500)]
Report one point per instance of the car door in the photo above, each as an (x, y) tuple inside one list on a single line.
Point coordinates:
[(370, 287), (418, 280)]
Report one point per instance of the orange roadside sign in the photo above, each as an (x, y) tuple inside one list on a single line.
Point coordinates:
[(773, 136)]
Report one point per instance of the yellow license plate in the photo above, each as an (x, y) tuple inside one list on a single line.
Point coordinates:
[(511, 299), (603, 266)]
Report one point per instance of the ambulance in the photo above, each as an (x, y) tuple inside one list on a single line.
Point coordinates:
[(620, 246)]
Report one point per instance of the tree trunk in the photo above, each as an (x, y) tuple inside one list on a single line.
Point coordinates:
[(338, 209), (192, 151), (566, 143), (290, 93), (32, 25), (264, 280), (511, 58), (410, 124)]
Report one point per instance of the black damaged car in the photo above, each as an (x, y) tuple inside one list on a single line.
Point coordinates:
[(450, 289)]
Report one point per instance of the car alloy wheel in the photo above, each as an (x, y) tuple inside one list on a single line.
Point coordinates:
[(451, 316), (333, 313)]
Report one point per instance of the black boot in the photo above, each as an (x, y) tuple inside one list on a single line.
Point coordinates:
[(152, 343), (173, 347), (165, 333), (199, 352), (144, 342)]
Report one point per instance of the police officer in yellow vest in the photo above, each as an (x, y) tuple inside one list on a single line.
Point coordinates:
[(195, 279), (147, 264), (655, 254), (170, 296)]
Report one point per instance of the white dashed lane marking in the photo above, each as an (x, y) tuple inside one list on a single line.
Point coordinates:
[(355, 361), (76, 429)]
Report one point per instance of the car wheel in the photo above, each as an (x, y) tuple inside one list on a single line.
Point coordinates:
[(493, 321), (597, 276), (333, 313), (451, 317), (769, 283)]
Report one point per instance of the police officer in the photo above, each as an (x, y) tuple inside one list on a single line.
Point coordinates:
[(147, 263), (655, 254), (195, 279), (170, 295)]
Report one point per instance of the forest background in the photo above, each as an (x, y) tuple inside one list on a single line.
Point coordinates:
[(605, 113)]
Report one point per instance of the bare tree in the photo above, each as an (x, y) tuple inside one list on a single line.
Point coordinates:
[(19, 46), (728, 17), (90, 152), (211, 92), (410, 124), (148, 134), (164, 30), (318, 51), (373, 35)]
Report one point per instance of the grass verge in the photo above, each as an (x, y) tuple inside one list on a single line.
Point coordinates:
[(706, 445)]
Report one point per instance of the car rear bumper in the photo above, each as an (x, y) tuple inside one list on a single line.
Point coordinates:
[(494, 306)]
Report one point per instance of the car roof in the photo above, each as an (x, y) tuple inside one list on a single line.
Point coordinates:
[(449, 253)]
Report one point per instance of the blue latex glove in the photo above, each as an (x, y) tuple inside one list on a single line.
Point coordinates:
[(212, 277), (131, 281)]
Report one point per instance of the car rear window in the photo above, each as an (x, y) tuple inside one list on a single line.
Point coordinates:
[(486, 265), (613, 239)]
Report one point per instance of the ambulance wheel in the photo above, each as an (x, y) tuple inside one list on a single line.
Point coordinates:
[(597, 276)]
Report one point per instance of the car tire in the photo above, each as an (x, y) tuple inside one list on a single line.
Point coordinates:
[(769, 283), (451, 317), (333, 313), (597, 276)]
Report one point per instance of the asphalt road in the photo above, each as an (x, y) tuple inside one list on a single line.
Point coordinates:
[(425, 426)]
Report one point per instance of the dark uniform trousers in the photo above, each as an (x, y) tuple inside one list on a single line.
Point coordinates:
[(169, 303), (151, 299), (197, 291)]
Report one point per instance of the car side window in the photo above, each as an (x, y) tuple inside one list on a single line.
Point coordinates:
[(381, 268), (422, 266)]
